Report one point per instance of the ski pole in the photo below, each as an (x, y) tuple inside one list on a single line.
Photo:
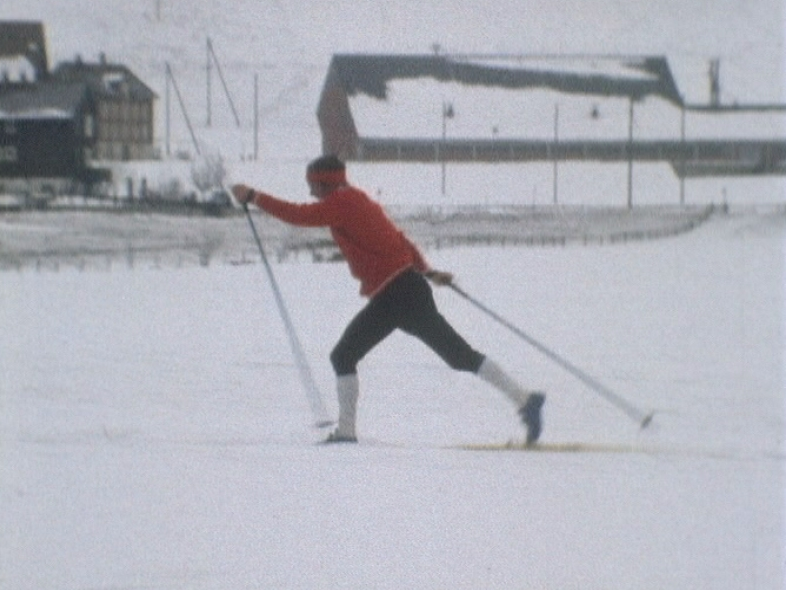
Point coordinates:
[(304, 370), (632, 411)]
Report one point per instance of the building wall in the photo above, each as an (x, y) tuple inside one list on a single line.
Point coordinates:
[(124, 129), (40, 148)]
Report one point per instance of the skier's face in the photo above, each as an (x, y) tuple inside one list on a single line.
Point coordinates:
[(318, 189)]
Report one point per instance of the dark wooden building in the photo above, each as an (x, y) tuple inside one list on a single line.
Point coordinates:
[(100, 110), (47, 130), (124, 108), (26, 40)]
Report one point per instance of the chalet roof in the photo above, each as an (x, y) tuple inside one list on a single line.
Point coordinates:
[(634, 77), (24, 38), (43, 100), (106, 80)]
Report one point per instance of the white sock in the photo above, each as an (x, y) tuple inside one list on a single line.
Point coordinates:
[(347, 388), (492, 374)]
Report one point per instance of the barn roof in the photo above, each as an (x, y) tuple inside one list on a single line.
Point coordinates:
[(636, 77)]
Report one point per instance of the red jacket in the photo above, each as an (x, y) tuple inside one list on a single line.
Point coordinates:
[(376, 250)]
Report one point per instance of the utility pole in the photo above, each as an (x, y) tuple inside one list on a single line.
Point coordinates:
[(715, 82), (630, 155), (447, 113), (166, 105), (171, 78), (682, 154), (213, 59), (556, 150), (256, 117), (209, 93)]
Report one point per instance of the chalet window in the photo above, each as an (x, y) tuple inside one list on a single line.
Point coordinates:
[(89, 126)]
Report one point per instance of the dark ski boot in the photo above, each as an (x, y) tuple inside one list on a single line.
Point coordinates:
[(530, 416), (336, 437)]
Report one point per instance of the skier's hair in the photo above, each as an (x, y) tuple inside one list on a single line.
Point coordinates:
[(328, 169)]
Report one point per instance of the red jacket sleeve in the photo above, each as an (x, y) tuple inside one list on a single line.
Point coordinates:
[(373, 246), (320, 214)]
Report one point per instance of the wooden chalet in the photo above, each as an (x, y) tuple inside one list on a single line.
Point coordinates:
[(47, 130), (124, 108)]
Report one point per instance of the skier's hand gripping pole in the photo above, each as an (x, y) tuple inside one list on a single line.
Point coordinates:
[(439, 277)]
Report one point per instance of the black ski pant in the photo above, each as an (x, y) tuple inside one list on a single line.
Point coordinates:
[(407, 303)]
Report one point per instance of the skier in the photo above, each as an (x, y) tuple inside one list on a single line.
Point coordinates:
[(392, 274)]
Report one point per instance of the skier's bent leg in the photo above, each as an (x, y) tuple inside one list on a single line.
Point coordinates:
[(370, 326), (421, 318), (440, 336)]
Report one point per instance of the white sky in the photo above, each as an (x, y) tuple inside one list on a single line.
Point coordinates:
[(746, 34)]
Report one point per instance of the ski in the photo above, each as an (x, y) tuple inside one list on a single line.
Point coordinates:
[(565, 447), (555, 447), (511, 445)]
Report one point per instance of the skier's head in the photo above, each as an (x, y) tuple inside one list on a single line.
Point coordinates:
[(325, 174)]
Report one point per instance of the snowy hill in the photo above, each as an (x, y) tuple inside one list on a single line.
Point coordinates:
[(289, 46)]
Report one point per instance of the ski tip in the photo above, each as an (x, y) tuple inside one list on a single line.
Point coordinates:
[(323, 424), (647, 420)]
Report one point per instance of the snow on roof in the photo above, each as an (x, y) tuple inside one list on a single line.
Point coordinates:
[(413, 108), (46, 113), (16, 69), (634, 77), (613, 67), (42, 101)]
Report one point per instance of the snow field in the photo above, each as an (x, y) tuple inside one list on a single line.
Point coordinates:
[(153, 433)]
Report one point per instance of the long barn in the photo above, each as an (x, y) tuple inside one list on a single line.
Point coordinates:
[(475, 108)]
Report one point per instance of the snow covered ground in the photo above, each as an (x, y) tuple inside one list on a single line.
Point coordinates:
[(104, 238), (153, 433)]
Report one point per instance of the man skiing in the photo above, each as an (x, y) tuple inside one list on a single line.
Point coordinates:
[(392, 274)]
